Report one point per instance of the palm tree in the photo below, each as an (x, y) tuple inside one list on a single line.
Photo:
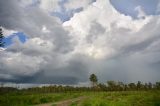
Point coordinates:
[(93, 79), (1, 38)]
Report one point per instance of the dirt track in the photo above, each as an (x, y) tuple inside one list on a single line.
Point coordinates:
[(65, 102)]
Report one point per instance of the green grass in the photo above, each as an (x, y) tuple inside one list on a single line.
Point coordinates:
[(140, 98), (128, 98), (15, 99)]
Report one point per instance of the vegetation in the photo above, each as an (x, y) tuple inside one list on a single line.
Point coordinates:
[(127, 98), (27, 99), (93, 79), (123, 98), (110, 94), (1, 38)]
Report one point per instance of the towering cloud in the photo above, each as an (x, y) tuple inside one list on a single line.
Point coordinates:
[(109, 36)]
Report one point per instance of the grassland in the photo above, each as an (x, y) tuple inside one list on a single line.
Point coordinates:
[(25, 99), (136, 98), (124, 98)]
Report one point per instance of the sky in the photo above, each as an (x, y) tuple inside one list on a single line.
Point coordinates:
[(64, 41)]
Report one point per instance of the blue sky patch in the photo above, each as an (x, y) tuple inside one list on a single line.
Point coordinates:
[(22, 37), (127, 7)]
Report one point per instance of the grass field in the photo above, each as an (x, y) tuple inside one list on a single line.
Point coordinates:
[(122, 99), (125, 98)]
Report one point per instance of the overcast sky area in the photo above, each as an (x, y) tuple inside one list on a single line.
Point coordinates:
[(64, 41)]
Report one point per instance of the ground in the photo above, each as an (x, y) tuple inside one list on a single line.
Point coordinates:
[(65, 102), (123, 98)]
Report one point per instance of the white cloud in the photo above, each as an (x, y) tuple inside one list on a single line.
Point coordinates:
[(7, 32), (75, 4), (141, 13), (25, 3), (50, 5), (2, 49), (19, 64), (45, 30), (114, 23), (39, 46)]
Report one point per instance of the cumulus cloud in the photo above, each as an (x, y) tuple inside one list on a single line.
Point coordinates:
[(99, 39), (120, 40), (141, 13), (25, 3), (50, 5), (75, 4)]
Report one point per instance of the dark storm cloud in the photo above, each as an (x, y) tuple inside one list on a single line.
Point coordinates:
[(39, 78), (75, 71)]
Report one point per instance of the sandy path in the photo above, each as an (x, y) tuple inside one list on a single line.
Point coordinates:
[(65, 102)]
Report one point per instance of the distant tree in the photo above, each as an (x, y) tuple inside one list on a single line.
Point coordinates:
[(145, 86), (120, 86), (149, 85), (102, 86), (125, 87), (1, 38), (1, 85), (93, 79), (132, 86), (112, 85), (139, 85), (157, 86)]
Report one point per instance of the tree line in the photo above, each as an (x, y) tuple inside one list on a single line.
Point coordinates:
[(120, 86), (95, 86)]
